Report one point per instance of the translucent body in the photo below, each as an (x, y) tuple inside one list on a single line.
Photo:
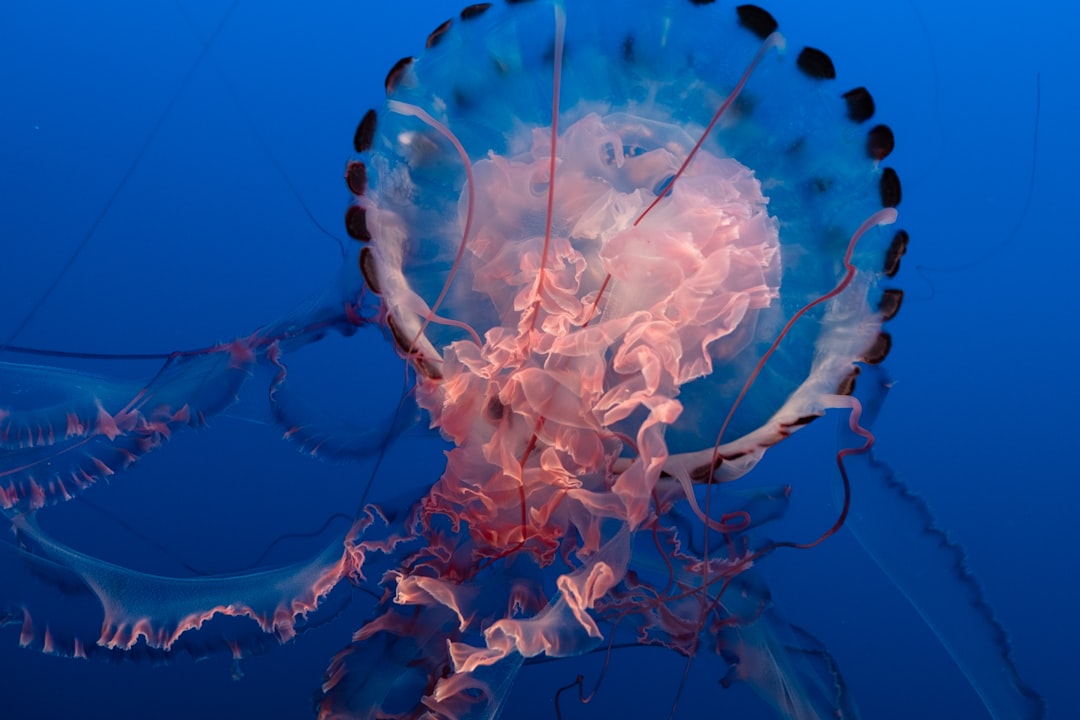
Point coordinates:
[(622, 257)]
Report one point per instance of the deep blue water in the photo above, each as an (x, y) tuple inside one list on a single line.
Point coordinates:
[(205, 241)]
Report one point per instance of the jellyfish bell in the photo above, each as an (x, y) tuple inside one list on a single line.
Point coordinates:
[(622, 258), (588, 246), (612, 263)]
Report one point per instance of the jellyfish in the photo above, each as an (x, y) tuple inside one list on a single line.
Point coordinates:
[(622, 255)]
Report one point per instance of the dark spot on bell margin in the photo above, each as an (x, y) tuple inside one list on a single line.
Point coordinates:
[(356, 177), (847, 385), (756, 20), (703, 473), (702, 2), (367, 269), (437, 34), (365, 132), (394, 76), (816, 64), (475, 11), (427, 368), (860, 104), (880, 142), (879, 350), (896, 250), (400, 340), (890, 303), (889, 186), (356, 223)]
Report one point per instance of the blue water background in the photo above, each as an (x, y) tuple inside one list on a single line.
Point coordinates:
[(205, 242)]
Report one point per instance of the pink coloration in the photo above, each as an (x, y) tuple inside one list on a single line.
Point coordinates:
[(113, 424), (677, 286), (595, 270), (615, 279), (26, 634), (420, 590), (775, 40), (106, 424), (662, 322), (58, 446), (159, 610), (74, 426)]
